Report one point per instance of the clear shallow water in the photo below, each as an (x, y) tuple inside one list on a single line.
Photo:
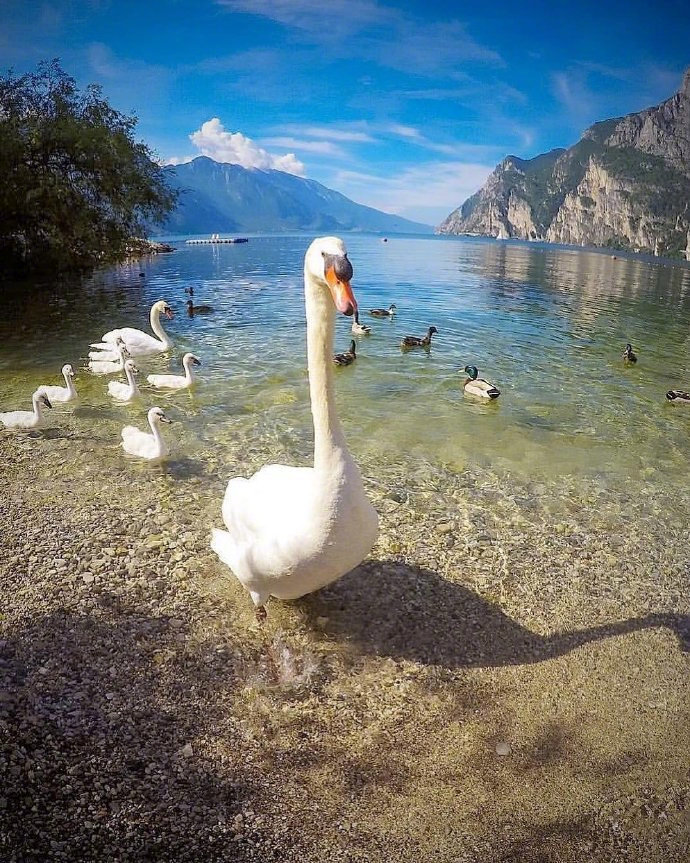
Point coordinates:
[(547, 325)]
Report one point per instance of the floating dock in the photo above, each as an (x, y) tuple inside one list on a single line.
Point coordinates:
[(217, 240)]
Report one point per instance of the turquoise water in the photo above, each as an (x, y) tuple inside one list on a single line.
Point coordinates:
[(547, 325)]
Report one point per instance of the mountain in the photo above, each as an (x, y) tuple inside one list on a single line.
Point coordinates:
[(220, 197), (625, 184)]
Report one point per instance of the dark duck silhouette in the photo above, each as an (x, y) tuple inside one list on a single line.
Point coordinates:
[(197, 310), (384, 313), (348, 357), (628, 354), (418, 342)]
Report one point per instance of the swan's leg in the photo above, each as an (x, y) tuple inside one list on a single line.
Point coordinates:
[(259, 600)]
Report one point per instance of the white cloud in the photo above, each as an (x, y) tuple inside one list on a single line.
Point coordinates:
[(215, 142), (426, 193), (329, 133), (323, 148)]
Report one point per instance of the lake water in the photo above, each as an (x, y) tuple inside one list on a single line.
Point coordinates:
[(547, 325)]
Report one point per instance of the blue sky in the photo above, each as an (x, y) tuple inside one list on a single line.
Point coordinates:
[(403, 106)]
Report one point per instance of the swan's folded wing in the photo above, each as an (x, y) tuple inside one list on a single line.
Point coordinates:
[(172, 381), (273, 502), (118, 390)]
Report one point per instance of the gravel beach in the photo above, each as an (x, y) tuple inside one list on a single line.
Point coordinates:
[(505, 679)]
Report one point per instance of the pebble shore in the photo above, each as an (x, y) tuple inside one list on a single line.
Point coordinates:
[(505, 679)]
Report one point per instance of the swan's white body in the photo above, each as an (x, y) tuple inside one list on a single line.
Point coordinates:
[(125, 392), (144, 445), (177, 382), (109, 367), (67, 393), (138, 342), (292, 530), (27, 419)]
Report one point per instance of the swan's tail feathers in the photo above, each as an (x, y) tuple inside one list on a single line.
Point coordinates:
[(223, 545)]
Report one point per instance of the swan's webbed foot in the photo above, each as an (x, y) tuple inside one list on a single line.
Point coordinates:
[(261, 613)]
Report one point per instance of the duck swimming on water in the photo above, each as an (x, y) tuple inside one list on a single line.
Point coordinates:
[(197, 310), (678, 397), (628, 354), (348, 357), (384, 313), (360, 329), (418, 342), (476, 386)]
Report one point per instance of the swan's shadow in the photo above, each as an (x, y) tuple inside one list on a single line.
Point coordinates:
[(391, 609)]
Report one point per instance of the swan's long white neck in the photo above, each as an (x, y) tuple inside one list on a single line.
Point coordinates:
[(188, 370), (70, 384), (157, 327), (131, 380), (329, 440), (37, 404), (156, 431)]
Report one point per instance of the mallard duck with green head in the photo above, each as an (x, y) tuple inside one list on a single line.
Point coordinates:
[(476, 386)]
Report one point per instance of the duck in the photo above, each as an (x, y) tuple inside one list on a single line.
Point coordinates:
[(109, 367), (360, 329), (189, 291), (628, 354), (384, 313), (27, 419), (68, 393), (197, 310), (177, 382), (292, 530), (678, 397), (138, 342), (129, 391), (417, 342), (476, 386), (348, 357), (152, 447)]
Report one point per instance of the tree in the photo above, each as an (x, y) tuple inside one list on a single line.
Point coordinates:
[(76, 186)]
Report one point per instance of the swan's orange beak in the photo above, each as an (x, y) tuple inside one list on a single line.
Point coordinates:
[(341, 292)]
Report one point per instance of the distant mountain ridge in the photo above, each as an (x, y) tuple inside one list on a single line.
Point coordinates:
[(625, 184), (223, 197)]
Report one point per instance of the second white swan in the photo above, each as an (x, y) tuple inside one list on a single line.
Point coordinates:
[(138, 342), (177, 382)]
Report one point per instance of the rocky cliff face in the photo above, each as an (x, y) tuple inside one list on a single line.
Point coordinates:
[(625, 184)]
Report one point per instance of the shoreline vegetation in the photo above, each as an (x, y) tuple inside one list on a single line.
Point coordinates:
[(76, 185), (494, 683)]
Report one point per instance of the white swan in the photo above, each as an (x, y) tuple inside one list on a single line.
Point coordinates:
[(109, 367), (67, 393), (145, 445), (27, 419), (129, 391), (177, 382), (292, 530), (137, 341)]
